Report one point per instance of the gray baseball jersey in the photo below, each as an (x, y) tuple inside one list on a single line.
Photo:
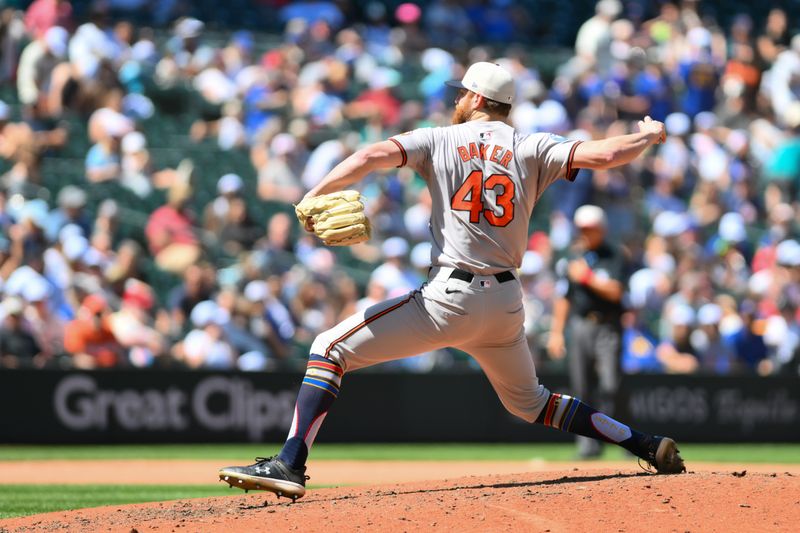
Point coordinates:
[(484, 179)]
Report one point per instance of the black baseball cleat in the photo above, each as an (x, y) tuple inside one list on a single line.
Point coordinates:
[(267, 473), (663, 455)]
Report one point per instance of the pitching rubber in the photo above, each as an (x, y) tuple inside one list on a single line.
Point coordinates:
[(279, 487)]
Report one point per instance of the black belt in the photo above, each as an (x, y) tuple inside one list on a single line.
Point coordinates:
[(463, 275)]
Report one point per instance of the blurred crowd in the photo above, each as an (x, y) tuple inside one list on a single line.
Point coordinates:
[(707, 220)]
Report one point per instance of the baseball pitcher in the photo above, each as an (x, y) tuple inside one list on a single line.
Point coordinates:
[(485, 179)]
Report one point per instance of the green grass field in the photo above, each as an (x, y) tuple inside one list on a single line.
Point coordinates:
[(748, 453), (18, 500)]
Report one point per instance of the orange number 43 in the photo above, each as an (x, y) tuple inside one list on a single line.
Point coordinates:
[(469, 197)]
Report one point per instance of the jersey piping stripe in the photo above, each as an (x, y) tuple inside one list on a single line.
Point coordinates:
[(367, 321), (572, 172), (402, 151)]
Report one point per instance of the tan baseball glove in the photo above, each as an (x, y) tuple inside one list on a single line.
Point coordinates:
[(337, 218)]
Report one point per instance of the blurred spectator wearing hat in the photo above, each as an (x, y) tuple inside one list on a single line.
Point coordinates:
[(37, 64), (186, 46), (782, 337), (592, 43), (206, 346), (28, 234), (639, 354), (414, 39), (238, 332), (715, 355), (170, 231), (228, 217), (278, 178), (275, 251), (394, 274), (700, 71), (137, 172), (270, 320), (743, 330), (71, 202), (197, 286), (229, 187), (104, 158), (676, 353), (132, 325), (89, 338), (376, 104), (18, 348), (264, 96), (590, 306), (94, 47), (45, 326)]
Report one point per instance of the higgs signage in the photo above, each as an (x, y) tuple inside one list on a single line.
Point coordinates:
[(716, 408)]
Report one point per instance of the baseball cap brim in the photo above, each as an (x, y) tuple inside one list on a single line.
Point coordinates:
[(455, 83)]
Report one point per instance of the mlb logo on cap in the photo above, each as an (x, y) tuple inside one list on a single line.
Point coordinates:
[(490, 80)]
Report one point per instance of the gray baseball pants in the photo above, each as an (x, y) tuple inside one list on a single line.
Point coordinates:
[(483, 318)]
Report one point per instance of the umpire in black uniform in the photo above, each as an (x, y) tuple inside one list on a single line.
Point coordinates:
[(589, 309)]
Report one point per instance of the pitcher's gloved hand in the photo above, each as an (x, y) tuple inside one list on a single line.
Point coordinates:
[(337, 218)]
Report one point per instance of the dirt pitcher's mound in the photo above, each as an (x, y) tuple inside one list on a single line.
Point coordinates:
[(578, 500)]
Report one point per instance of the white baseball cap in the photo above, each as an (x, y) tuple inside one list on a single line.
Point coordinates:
[(681, 315), (229, 183), (209, 312), (133, 142), (709, 315), (36, 290), (256, 290), (394, 247), (787, 253), (732, 228), (587, 216), (57, 39), (489, 80)]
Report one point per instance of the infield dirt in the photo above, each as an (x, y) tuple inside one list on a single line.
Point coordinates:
[(596, 500)]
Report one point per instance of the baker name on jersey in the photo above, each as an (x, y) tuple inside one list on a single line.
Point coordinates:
[(492, 152)]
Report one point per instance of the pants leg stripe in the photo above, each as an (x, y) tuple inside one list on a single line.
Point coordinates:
[(367, 321), (570, 414), (326, 366), (324, 375), (327, 387), (551, 407)]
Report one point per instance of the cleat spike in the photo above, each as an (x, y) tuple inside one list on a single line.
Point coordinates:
[(267, 474)]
